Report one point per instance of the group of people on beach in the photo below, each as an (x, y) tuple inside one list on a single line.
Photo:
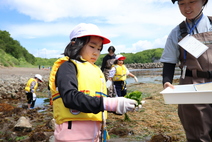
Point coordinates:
[(79, 87)]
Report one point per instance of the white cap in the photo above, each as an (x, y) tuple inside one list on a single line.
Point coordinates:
[(120, 57), (83, 29), (38, 76)]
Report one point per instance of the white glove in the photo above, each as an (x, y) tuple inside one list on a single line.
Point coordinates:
[(34, 96), (135, 78), (143, 102), (108, 83), (138, 107), (124, 105)]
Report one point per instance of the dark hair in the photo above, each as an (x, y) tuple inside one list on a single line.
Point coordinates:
[(116, 62), (111, 48), (206, 1), (73, 50)]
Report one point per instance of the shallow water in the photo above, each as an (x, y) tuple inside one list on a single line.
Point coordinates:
[(149, 75), (40, 102)]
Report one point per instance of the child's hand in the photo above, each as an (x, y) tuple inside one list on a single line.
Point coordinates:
[(124, 105), (135, 78), (120, 105), (167, 84)]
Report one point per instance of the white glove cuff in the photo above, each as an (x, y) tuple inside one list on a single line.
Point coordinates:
[(110, 104)]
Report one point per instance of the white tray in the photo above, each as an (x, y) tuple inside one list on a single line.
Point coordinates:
[(186, 94)]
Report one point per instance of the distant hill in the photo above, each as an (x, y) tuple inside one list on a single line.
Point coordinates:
[(146, 56), (13, 47), (7, 60), (13, 54)]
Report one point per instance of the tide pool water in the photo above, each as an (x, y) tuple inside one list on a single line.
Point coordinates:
[(149, 75), (40, 102)]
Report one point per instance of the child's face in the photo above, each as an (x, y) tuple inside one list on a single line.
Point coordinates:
[(91, 51), (120, 62)]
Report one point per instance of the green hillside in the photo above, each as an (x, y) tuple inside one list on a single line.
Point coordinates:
[(13, 54), (146, 56)]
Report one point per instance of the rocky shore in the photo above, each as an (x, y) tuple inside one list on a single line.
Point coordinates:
[(17, 123), (144, 65), (13, 80), (37, 125)]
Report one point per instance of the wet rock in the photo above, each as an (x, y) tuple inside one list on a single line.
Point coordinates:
[(51, 124), (38, 136), (144, 65), (24, 106), (6, 107), (120, 131), (9, 135), (161, 138), (51, 138), (23, 124)]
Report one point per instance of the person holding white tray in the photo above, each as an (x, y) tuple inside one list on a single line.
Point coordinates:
[(190, 45)]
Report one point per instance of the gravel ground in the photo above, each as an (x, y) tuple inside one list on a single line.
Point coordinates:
[(24, 72)]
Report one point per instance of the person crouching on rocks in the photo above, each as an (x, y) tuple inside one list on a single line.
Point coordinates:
[(30, 90)]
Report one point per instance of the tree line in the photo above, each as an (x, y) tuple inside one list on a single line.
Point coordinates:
[(13, 54), (14, 48), (146, 56)]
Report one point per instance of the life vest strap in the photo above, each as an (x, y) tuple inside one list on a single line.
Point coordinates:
[(97, 94), (55, 96)]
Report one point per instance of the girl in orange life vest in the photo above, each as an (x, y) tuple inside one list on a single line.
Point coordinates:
[(79, 89), (118, 74)]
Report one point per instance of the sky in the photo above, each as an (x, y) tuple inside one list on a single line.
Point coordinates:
[(43, 26)]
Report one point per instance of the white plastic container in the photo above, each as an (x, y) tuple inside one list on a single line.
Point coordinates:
[(186, 94)]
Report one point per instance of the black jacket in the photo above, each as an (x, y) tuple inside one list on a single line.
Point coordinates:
[(107, 57), (66, 81)]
